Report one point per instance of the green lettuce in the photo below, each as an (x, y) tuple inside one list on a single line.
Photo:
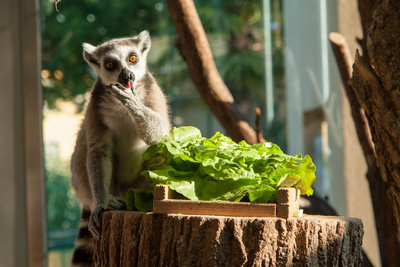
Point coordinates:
[(219, 169)]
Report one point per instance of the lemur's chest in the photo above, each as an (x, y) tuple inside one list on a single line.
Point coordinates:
[(118, 121), (127, 160), (127, 147)]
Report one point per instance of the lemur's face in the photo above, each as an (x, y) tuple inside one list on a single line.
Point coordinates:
[(121, 60)]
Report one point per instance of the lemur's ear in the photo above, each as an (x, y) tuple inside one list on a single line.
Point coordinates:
[(89, 55), (144, 41)]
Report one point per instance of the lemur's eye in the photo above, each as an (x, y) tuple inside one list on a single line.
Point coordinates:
[(132, 58), (109, 65)]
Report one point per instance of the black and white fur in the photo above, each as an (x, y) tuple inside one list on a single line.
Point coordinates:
[(126, 113)]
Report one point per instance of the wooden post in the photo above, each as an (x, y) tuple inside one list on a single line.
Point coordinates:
[(288, 203)]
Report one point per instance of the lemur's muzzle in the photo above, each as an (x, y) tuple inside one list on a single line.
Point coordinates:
[(126, 78)]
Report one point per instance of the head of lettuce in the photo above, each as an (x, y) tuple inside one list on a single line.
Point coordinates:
[(218, 169)]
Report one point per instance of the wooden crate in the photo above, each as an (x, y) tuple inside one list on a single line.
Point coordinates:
[(287, 205)]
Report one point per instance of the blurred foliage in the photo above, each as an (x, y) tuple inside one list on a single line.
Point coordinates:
[(66, 75), (62, 207)]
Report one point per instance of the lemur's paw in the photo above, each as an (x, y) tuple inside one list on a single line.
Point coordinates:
[(126, 96), (120, 92), (116, 203), (95, 220), (117, 86)]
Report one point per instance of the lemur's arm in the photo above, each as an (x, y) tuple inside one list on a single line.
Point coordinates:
[(99, 167), (151, 124)]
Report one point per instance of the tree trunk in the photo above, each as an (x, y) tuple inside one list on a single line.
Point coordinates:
[(376, 84), (366, 8), (389, 244), (148, 239)]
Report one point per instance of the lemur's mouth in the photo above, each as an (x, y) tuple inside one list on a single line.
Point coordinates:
[(128, 84)]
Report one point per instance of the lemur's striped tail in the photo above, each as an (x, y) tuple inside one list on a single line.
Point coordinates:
[(83, 253)]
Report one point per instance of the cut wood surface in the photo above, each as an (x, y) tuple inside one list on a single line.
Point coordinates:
[(147, 239)]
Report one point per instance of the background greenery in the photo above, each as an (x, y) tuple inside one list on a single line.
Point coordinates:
[(67, 76)]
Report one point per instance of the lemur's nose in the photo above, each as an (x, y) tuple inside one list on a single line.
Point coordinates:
[(125, 75)]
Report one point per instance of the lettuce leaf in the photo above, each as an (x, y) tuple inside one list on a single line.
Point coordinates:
[(219, 169), (137, 199)]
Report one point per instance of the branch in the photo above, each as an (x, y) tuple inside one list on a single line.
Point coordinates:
[(345, 61), (193, 45), (260, 138)]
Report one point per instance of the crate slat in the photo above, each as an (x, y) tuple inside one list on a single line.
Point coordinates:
[(289, 198)]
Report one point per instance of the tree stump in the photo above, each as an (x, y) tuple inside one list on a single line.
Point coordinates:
[(147, 239)]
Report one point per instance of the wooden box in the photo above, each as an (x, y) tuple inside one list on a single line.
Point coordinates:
[(287, 205)]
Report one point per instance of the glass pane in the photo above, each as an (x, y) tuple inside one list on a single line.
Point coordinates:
[(313, 97)]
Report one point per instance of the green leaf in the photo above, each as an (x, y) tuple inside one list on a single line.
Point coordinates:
[(265, 194), (184, 134), (219, 169), (307, 166), (141, 200)]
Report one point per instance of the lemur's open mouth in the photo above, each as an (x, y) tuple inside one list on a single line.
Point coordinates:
[(128, 84)]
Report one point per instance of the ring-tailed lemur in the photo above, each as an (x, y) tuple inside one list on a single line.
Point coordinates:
[(126, 113)]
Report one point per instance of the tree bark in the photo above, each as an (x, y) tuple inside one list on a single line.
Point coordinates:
[(194, 47), (376, 83), (148, 239), (345, 61), (384, 126), (366, 8), (389, 244)]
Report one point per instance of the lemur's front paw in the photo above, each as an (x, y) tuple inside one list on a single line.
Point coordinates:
[(116, 203), (117, 86), (95, 220), (118, 91), (126, 96)]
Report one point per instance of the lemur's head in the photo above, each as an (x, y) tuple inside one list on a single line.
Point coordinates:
[(120, 60)]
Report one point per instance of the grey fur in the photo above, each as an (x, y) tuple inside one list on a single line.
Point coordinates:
[(120, 123)]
